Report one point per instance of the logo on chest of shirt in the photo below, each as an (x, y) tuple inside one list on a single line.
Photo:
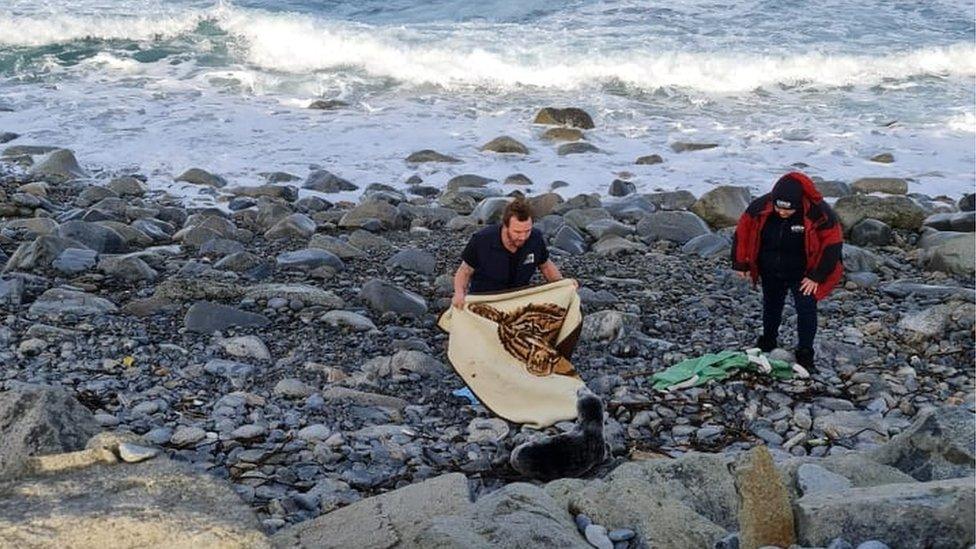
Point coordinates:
[(797, 228), (530, 258)]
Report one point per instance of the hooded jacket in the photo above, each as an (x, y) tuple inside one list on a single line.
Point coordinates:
[(823, 236)]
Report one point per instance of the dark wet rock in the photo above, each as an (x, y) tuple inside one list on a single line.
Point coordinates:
[(603, 227), (676, 226), (871, 232), (326, 182), (681, 146), (939, 445), (505, 144), (40, 420), (129, 268), (413, 259), (722, 206), (959, 222), (97, 237), (570, 240), (206, 317), (327, 104), (577, 147), (467, 180), (295, 226), (308, 259), (650, 159), (60, 302), (572, 117), (630, 209), (519, 179), (381, 212), (708, 245), (58, 166), (967, 203), (671, 200), (384, 297), (428, 155), (833, 189), (899, 212), (619, 187), (39, 253), (563, 134), (75, 260), (887, 185), (197, 176), (883, 158)]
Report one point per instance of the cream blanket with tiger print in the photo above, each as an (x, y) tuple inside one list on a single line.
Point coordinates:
[(512, 349)]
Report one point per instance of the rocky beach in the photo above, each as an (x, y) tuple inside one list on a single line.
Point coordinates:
[(268, 371)]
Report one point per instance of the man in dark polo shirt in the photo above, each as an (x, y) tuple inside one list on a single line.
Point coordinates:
[(503, 257)]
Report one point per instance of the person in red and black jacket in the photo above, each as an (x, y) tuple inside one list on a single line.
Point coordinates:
[(791, 240)]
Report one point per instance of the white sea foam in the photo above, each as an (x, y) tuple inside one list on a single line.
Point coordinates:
[(59, 28)]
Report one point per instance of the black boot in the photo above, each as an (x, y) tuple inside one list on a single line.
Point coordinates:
[(804, 357), (766, 343)]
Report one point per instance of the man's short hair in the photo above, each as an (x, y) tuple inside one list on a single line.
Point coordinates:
[(519, 209)]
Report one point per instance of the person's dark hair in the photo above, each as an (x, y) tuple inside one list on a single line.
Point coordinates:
[(519, 209)]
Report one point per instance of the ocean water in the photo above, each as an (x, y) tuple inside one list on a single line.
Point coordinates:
[(161, 86)]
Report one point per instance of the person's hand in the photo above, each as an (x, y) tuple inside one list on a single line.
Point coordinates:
[(744, 275), (808, 287), (458, 300)]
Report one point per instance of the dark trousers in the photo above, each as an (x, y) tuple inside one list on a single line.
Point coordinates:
[(774, 297)]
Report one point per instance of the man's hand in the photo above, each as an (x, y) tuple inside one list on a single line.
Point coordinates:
[(744, 275), (808, 287), (458, 300)]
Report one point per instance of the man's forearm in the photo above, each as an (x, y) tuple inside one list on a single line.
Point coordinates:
[(550, 272), (461, 280)]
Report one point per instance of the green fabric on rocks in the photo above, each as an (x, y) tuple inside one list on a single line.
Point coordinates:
[(714, 367)]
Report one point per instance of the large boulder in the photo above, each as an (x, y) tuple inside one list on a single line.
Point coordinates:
[(938, 445), (337, 246), (958, 221), (372, 211), (156, 503), (58, 166), (57, 302), (309, 259), (899, 212), (955, 254), (658, 520), (428, 155), (630, 209), (671, 200), (38, 420), (572, 117), (925, 514), (205, 317), (384, 297), (676, 226), (871, 232), (505, 144), (40, 253), (682, 146), (387, 520), (197, 176), (325, 181), (412, 259), (518, 515), (887, 185), (95, 236), (858, 260), (708, 245), (765, 516), (570, 240), (293, 226), (722, 206)]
